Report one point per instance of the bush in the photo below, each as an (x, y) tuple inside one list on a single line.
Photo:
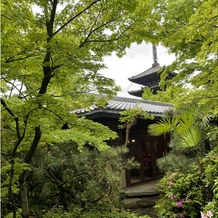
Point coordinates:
[(210, 163), (93, 213), (73, 178), (192, 193), (174, 162), (180, 195)]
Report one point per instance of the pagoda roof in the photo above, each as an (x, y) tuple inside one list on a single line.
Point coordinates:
[(138, 92), (118, 104), (148, 73), (150, 76)]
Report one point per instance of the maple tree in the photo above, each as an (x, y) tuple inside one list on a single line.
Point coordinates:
[(52, 52), (189, 30)]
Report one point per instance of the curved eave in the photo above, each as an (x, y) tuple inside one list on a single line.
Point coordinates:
[(148, 73), (148, 76), (136, 93), (118, 104), (146, 79), (171, 75), (100, 113), (139, 92)]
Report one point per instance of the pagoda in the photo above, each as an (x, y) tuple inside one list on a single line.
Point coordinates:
[(149, 78)]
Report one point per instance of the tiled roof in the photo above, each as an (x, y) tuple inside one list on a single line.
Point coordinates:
[(118, 104), (137, 93), (151, 70)]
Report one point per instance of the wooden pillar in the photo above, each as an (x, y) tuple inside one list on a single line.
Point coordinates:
[(128, 178), (153, 158)]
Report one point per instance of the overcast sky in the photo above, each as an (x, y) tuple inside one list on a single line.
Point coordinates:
[(137, 59)]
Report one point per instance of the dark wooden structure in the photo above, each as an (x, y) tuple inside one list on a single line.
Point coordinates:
[(146, 149), (149, 78)]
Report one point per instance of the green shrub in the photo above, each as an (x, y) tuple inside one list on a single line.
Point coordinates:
[(174, 162), (210, 163), (92, 213), (181, 195), (70, 177), (192, 193)]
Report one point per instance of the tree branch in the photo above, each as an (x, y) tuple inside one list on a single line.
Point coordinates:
[(14, 116), (20, 138), (108, 40), (20, 53), (57, 115), (74, 17), (25, 96), (9, 60), (14, 87), (94, 30), (50, 24), (91, 30), (52, 176), (34, 144)]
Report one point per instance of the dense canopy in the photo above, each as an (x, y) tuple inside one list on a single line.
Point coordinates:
[(52, 51), (189, 30)]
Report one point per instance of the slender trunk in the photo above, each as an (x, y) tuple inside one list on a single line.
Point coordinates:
[(23, 194), (10, 194), (16, 145), (47, 70), (10, 191), (23, 176), (128, 127), (127, 135)]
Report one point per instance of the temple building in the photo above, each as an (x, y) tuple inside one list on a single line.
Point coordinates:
[(143, 147), (149, 78)]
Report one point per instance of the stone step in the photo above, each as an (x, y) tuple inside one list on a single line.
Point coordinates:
[(145, 202), (145, 211), (141, 206)]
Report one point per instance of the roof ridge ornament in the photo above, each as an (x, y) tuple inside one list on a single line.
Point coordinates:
[(154, 51)]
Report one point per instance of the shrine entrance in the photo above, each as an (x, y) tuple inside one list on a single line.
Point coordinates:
[(145, 150)]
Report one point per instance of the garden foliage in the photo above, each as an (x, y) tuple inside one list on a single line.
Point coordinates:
[(64, 177), (189, 194), (189, 188), (52, 52), (92, 213), (188, 28)]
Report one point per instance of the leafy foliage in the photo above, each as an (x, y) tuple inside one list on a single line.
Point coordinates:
[(210, 163), (93, 213), (186, 194), (189, 30), (72, 178), (175, 161), (181, 194), (129, 117), (162, 127), (52, 52), (187, 126)]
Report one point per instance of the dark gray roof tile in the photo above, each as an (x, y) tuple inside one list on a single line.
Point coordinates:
[(150, 71), (118, 104)]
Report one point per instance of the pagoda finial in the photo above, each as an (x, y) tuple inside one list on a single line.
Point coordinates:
[(154, 50)]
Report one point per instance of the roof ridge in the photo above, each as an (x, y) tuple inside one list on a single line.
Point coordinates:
[(135, 100), (155, 67)]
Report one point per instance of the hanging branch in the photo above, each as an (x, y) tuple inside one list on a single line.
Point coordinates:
[(74, 17)]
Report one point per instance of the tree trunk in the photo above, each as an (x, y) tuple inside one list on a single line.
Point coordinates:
[(27, 159), (24, 197)]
